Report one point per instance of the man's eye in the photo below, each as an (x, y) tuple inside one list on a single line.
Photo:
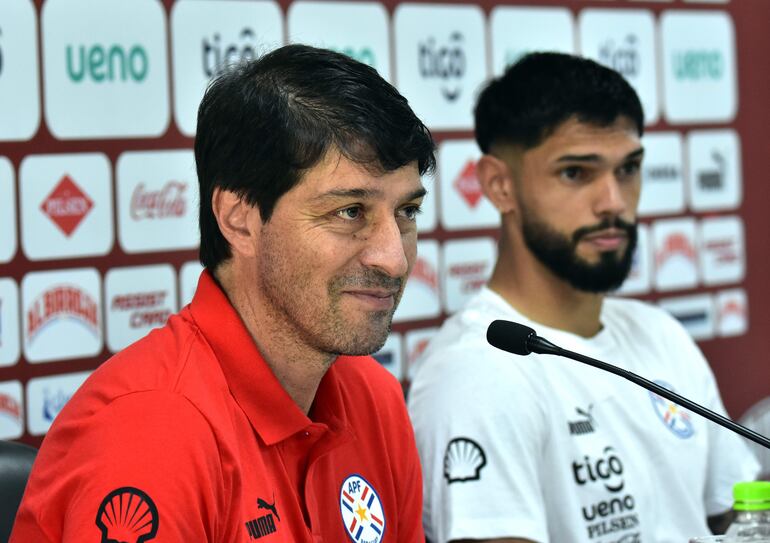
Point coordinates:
[(572, 173), (411, 212), (632, 168), (349, 213)]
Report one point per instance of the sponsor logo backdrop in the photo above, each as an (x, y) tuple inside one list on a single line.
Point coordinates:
[(98, 195)]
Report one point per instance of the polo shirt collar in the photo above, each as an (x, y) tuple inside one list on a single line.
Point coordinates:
[(269, 408)]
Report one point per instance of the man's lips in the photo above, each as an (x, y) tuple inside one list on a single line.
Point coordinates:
[(377, 299), (606, 240)]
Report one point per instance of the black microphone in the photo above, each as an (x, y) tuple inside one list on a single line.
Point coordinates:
[(523, 340)]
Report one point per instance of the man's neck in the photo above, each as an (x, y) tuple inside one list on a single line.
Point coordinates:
[(298, 367), (535, 292)]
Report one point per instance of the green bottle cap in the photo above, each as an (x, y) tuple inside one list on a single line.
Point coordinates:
[(752, 496)]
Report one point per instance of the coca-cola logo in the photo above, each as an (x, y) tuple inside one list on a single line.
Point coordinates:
[(168, 202)]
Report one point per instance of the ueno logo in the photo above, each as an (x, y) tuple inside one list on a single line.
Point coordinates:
[(58, 302), (699, 64), (216, 56), (365, 55), (169, 201), (107, 63), (446, 62)]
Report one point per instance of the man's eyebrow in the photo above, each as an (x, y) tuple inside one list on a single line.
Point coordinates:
[(364, 194), (593, 157), (361, 194)]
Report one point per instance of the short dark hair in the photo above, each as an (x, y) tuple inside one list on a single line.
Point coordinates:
[(542, 90), (263, 123)]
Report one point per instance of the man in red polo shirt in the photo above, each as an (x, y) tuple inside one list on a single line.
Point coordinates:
[(252, 415)]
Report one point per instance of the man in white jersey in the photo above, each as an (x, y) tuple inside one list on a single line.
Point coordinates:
[(546, 449)]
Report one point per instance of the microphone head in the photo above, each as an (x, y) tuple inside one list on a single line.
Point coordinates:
[(510, 336)]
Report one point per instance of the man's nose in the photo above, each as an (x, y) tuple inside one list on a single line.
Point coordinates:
[(386, 248), (610, 198)]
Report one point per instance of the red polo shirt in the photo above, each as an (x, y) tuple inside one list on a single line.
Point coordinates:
[(187, 435)]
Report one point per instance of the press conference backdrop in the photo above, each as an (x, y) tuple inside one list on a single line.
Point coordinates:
[(98, 195)]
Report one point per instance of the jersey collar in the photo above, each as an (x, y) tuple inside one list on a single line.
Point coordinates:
[(269, 408)]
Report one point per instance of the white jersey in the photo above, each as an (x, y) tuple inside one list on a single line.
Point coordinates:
[(549, 449)]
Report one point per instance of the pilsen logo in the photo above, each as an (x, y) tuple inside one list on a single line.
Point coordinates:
[(467, 184), (63, 301), (169, 201), (67, 205), (674, 244), (425, 273), (10, 407)]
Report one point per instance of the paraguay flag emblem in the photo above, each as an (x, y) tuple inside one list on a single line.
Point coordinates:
[(361, 509)]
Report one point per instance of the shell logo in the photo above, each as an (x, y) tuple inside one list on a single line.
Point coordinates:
[(127, 514), (463, 460)]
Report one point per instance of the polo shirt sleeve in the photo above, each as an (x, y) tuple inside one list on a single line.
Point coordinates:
[(145, 462), (481, 437), (409, 478)]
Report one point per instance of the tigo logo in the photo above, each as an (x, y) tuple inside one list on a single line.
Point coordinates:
[(623, 57), (467, 184), (102, 64), (217, 56), (446, 62), (67, 205)]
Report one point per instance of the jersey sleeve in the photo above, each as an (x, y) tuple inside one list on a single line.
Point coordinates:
[(480, 435), (729, 459), (145, 465)]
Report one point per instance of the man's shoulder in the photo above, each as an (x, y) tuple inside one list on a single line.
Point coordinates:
[(642, 317), (170, 359)]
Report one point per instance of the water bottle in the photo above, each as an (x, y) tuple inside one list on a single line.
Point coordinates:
[(752, 511)]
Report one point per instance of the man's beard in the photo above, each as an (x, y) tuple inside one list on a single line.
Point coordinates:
[(559, 254)]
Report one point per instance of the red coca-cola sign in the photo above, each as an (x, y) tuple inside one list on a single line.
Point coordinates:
[(168, 202)]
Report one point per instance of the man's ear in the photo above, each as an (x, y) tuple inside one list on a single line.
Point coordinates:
[(238, 221), (496, 181)]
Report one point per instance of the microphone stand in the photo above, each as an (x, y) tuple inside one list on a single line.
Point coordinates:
[(542, 346)]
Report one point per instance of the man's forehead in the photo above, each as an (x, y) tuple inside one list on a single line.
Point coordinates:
[(575, 138)]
